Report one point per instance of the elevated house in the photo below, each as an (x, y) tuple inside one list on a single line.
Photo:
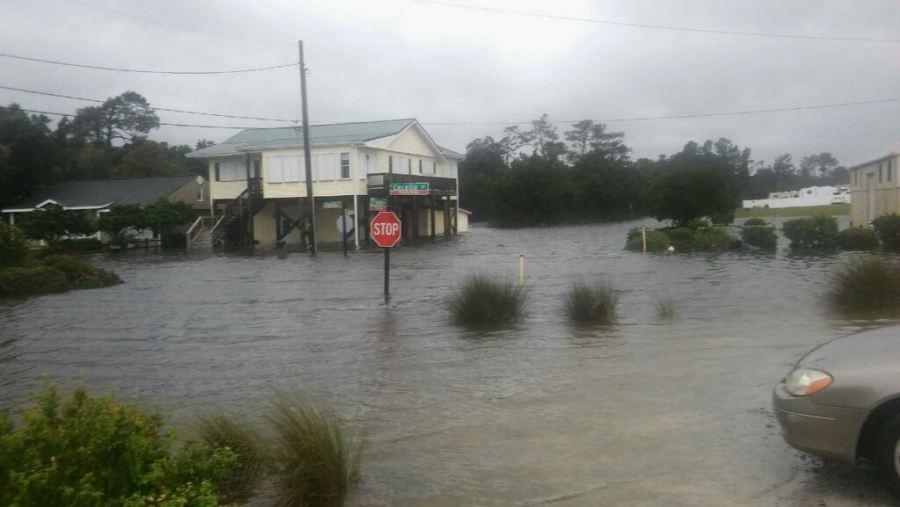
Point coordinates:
[(258, 183), (874, 189)]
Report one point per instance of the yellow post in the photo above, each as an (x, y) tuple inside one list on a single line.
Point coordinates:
[(522, 270), (644, 237)]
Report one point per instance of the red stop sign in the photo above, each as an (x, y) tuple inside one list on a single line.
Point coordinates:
[(386, 230)]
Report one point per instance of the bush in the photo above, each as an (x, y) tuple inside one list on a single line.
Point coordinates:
[(755, 221), (85, 451), (76, 245), (313, 462), (762, 237), (712, 239), (857, 238), (813, 233), (15, 282), (887, 227), (681, 238), (484, 303), (657, 241), (697, 223), (80, 274), (219, 431), (868, 285), (13, 250), (591, 305)]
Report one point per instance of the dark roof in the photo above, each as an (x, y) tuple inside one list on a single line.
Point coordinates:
[(291, 137), (142, 191)]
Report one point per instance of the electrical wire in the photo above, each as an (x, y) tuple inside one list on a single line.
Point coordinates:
[(659, 27), (144, 71), (168, 110), (68, 115)]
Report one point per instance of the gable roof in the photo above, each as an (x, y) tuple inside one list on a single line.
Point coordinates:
[(292, 137), (102, 193)]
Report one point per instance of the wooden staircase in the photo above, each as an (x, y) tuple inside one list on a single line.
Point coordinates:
[(234, 227)]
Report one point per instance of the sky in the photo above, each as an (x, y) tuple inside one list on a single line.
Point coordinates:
[(464, 73)]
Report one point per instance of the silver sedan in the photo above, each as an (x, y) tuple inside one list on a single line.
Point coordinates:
[(842, 401)]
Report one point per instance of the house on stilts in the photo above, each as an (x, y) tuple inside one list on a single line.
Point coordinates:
[(258, 184)]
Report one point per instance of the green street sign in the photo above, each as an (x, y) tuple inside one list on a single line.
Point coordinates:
[(332, 205), (377, 203), (412, 188)]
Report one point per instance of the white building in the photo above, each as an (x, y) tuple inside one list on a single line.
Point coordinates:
[(810, 196)]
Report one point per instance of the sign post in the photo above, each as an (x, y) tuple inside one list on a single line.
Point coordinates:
[(386, 232)]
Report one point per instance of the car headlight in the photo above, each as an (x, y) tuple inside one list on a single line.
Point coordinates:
[(806, 382)]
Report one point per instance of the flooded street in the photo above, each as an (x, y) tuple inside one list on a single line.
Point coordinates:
[(649, 412)]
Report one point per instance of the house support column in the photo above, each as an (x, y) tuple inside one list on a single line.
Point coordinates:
[(433, 225), (415, 220), (446, 216)]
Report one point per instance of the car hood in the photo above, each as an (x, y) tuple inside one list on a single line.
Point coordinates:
[(867, 349)]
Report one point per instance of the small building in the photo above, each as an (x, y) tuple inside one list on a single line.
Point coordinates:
[(258, 183), (98, 196), (873, 189), (809, 196)]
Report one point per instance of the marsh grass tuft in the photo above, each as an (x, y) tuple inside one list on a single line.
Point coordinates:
[(314, 463), (665, 308), (485, 303), (586, 304), (224, 430), (866, 286)]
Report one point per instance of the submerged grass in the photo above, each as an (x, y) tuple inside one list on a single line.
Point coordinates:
[(665, 308), (867, 286), (224, 430), (485, 303), (314, 463), (586, 304)]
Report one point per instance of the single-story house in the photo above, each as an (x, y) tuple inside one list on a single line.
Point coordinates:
[(258, 192), (874, 189)]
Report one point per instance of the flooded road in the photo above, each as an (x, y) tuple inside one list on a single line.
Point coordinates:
[(650, 412)]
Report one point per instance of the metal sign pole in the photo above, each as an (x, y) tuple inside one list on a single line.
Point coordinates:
[(387, 275)]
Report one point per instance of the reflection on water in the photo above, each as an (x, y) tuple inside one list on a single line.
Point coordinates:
[(540, 413)]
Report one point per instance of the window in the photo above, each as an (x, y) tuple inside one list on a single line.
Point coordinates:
[(345, 165), (879, 173), (855, 178), (283, 169), (420, 166), (402, 165), (257, 172), (391, 164), (889, 169), (230, 170)]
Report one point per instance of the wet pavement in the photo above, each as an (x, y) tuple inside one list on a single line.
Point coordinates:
[(648, 412)]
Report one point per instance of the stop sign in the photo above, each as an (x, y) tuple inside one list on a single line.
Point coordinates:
[(385, 229)]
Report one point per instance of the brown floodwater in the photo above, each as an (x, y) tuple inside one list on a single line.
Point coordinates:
[(647, 412)]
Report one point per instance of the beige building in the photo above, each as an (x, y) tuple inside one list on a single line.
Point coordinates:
[(874, 189), (258, 183)]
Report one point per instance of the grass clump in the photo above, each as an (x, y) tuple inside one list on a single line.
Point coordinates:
[(755, 221), (587, 304), (665, 308), (28, 281), (226, 431), (80, 274), (313, 462), (756, 233), (857, 238), (818, 233), (866, 285), (484, 303), (712, 239), (657, 241)]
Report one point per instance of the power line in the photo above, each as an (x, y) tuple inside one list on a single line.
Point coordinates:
[(144, 71), (168, 110), (683, 116), (68, 115), (659, 27)]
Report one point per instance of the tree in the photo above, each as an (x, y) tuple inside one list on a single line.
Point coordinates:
[(53, 222), (580, 137), (27, 156), (483, 166), (544, 139), (163, 216), (610, 145), (120, 218), (126, 118)]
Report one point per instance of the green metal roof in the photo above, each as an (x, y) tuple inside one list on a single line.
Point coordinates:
[(292, 137), (73, 194)]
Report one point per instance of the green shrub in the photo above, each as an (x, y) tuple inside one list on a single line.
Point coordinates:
[(219, 431), (887, 228), (591, 305), (857, 238), (697, 223), (86, 451), (681, 238), (313, 462), (762, 237), (712, 239), (80, 274), (485, 303), (755, 221), (13, 249), (657, 241), (15, 282), (813, 233), (76, 245), (867, 285)]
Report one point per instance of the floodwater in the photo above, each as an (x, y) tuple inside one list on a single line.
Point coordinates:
[(648, 412)]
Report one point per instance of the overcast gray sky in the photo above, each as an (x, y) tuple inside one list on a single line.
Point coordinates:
[(381, 59)]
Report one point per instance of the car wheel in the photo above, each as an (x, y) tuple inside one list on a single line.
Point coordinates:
[(888, 454)]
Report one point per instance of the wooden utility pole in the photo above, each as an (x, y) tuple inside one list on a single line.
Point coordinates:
[(307, 158)]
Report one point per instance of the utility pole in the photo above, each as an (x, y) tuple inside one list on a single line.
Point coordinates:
[(307, 158)]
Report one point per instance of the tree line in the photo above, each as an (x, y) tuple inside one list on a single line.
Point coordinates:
[(100, 142), (533, 176)]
